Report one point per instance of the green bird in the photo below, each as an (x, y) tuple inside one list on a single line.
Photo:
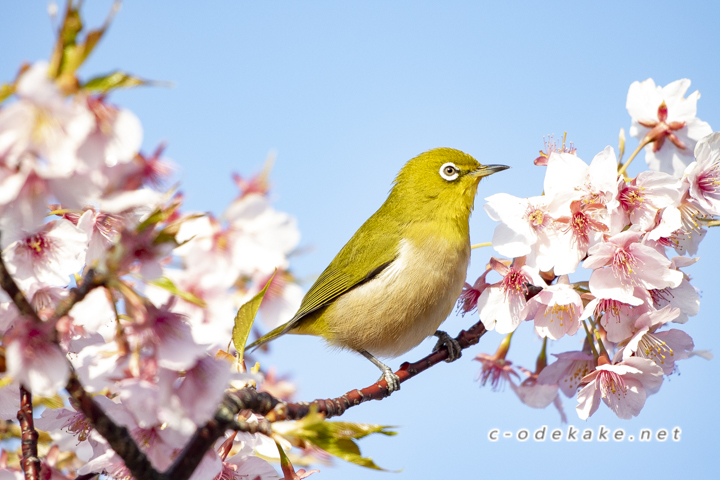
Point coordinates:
[(399, 276)]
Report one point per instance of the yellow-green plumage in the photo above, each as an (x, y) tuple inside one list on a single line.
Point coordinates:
[(399, 276)]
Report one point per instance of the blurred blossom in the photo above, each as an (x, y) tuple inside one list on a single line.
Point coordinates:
[(49, 254), (43, 124), (33, 359)]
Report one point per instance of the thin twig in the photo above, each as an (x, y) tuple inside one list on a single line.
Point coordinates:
[(30, 461)]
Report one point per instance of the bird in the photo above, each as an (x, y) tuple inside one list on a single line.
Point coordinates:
[(399, 276)]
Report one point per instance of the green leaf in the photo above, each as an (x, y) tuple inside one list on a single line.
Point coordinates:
[(105, 83), (336, 438), (167, 284), (69, 53), (5, 91), (245, 318)]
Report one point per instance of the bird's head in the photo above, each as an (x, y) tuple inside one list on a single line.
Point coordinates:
[(442, 178)]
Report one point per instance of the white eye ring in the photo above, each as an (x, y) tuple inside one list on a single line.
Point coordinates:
[(449, 172)]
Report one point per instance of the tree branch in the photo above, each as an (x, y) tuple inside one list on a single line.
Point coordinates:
[(337, 406), (30, 461), (117, 436), (275, 410)]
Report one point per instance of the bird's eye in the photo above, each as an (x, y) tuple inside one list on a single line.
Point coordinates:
[(449, 172)]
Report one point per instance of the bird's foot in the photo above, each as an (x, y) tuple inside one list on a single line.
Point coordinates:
[(453, 346), (393, 381)]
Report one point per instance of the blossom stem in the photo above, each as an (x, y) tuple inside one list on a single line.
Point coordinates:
[(590, 341), (478, 245), (623, 167), (713, 223), (504, 346), (542, 358)]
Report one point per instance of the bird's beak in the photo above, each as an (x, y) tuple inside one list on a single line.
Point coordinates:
[(486, 170)]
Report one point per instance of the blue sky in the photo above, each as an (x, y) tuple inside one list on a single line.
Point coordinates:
[(346, 92)]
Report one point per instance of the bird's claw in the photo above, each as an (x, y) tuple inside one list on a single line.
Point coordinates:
[(393, 381), (451, 345)]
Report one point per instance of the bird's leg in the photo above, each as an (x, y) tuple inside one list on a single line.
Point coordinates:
[(453, 347), (393, 381)]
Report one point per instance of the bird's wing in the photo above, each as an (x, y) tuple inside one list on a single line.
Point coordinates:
[(367, 254)]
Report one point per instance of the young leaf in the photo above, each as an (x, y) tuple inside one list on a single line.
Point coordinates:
[(245, 318), (167, 284), (336, 438), (288, 470), (6, 90), (105, 83)]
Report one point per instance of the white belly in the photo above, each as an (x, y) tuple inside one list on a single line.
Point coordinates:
[(405, 303)]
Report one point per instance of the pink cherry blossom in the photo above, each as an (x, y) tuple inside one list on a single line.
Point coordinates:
[(622, 262), (622, 386), (42, 124), (568, 178), (617, 318), (552, 147), (556, 310), (468, 300), (703, 175), (577, 232), (49, 254), (645, 195), (664, 348), (116, 138), (525, 228), (169, 337), (664, 113), (33, 359), (567, 371), (495, 367), (501, 304)]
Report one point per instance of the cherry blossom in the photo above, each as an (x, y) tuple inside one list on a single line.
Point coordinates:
[(42, 123), (664, 113), (621, 263), (501, 304), (556, 310), (567, 371), (622, 386), (33, 359), (664, 348), (703, 175), (49, 254), (526, 227)]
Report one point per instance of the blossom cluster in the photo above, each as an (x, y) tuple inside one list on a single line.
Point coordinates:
[(626, 239), (80, 203)]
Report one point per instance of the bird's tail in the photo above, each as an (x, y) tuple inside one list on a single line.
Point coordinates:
[(272, 335)]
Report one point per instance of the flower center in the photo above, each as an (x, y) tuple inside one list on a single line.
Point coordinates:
[(631, 198), (623, 263), (652, 348), (515, 283), (560, 312), (612, 384)]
